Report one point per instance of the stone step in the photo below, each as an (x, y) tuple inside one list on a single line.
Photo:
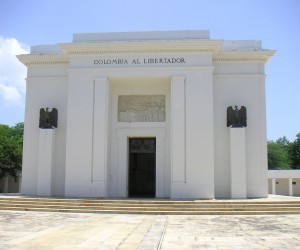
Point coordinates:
[(143, 208), (192, 205), (152, 206), (182, 212), (146, 202), (175, 206)]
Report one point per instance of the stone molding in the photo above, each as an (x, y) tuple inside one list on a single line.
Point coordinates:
[(239, 75), (186, 46), (47, 78), (247, 56), (43, 59), (154, 47)]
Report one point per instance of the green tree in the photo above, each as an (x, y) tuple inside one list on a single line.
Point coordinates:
[(278, 156), (294, 152), (283, 141), (11, 144)]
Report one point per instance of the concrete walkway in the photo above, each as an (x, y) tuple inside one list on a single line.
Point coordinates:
[(36, 230)]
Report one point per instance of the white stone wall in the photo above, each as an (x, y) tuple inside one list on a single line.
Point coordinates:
[(296, 187), (241, 84), (46, 87)]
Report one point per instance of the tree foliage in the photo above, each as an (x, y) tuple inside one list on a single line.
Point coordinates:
[(11, 144), (283, 154), (278, 157), (294, 152), (283, 142)]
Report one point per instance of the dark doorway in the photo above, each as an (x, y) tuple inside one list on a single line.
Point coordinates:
[(142, 156)]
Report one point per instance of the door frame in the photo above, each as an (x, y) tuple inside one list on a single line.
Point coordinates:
[(123, 162)]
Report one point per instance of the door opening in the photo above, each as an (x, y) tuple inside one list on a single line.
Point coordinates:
[(142, 167)]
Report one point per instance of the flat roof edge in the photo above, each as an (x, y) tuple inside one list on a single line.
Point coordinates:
[(142, 36)]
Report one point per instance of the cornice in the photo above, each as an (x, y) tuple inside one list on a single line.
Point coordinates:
[(247, 56), (239, 75), (46, 78), (43, 59), (148, 47)]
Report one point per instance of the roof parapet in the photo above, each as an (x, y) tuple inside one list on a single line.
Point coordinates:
[(142, 36)]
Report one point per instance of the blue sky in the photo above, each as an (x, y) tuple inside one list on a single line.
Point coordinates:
[(275, 22)]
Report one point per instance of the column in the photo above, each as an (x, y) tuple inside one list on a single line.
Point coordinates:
[(273, 186), (291, 187), (238, 163), (178, 161), (199, 128), (100, 137), (45, 161)]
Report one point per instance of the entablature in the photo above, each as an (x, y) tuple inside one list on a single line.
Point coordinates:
[(43, 59), (246, 56), (142, 47)]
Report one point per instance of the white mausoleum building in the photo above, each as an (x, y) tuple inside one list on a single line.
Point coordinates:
[(144, 115)]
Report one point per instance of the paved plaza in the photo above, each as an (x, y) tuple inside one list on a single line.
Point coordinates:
[(38, 230)]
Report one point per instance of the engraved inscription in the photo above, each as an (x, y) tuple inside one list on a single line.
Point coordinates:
[(141, 108)]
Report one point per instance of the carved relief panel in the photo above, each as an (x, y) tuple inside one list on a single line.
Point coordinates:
[(141, 108)]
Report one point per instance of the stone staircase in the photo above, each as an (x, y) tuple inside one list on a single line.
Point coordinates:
[(152, 206)]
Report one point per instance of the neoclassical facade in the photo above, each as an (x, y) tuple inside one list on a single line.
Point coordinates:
[(144, 115)]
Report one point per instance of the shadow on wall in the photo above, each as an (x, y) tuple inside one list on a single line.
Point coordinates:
[(9, 185)]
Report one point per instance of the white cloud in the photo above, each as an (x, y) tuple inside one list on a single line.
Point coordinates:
[(12, 72)]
